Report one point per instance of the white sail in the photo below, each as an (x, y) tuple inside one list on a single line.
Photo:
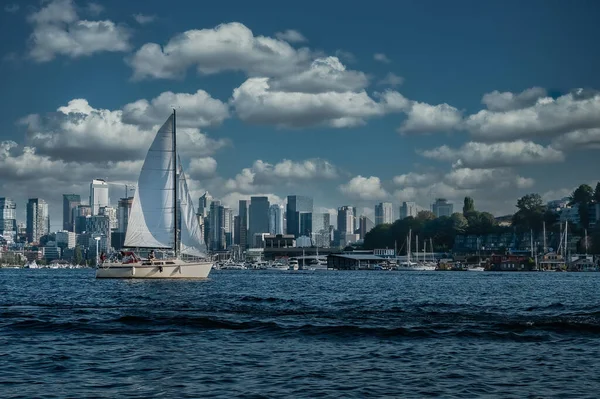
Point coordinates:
[(191, 238), (151, 220)]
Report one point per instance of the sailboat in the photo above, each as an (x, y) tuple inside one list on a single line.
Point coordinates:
[(162, 218)]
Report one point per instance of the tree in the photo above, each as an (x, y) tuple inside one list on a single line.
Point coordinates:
[(425, 216), (469, 205), (530, 214), (77, 256), (582, 197), (459, 223), (597, 193)]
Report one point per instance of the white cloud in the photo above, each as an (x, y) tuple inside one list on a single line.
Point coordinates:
[(482, 155), (193, 110), (11, 8), (144, 19), (256, 103), (291, 36), (425, 118), (324, 75), (364, 188), (227, 47), (381, 58), (79, 132), (345, 56), (586, 139), (507, 101), (265, 175), (57, 30), (467, 178), (415, 179), (391, 79), (202, 167), (548, 117)]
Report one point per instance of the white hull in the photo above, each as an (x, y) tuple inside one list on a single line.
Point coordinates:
[(165, 270)]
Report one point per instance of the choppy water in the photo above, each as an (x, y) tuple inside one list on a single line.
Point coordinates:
[(300, 334)]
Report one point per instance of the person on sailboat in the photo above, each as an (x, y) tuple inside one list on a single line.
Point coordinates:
[(102, 257), (151, 256)]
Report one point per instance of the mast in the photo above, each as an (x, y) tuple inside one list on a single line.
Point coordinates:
[(586, 243), (175, 184), (545, 247), (417, 247), (408, 248)]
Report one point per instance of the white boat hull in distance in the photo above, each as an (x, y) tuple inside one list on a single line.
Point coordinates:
[(176, 269)]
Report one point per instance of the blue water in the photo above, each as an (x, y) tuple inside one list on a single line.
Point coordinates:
[(258, 334)]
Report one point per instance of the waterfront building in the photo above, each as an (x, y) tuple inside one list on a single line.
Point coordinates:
[(70, 203), (38, 220), (8, 219), (258, 217), (408, 208), (98, 195), (441, 207), (384, 213), (297, 206), (276, 219)]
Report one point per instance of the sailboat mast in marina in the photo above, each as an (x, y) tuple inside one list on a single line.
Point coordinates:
[(162, 218)]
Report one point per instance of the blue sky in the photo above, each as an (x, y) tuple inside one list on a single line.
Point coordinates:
[(385, 101)]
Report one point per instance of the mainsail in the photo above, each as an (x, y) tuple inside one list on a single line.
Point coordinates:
[(192, 242), (151, 220)]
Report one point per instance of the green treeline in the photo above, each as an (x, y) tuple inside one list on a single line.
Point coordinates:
[(531, 215)]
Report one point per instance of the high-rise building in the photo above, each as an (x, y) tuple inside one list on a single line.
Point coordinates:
[(99, 226), (79, 215), (98, 195), (65, 239), (8, 219), (345, 220), (123, 212), (441, 207), (243, 217), (276, 219), (112, 216), (408, 209), (70, 203), (228, 226), (258, 216), (364, 226), (384, 213), (296, 206), (217, 226), (320, 228), (204, 204), (38, 220), (236, 230)]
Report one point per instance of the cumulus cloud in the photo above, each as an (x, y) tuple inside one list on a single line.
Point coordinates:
[(381, 58), (425, 118), (364, 188), (256, 103), (415, 179), (144, 19), (467, 178), (324, 75), (263, 175), (291, 36), (227, 47), (79, 132), (193, 110), (57, 30), (202, 167), (484, 155), (548, 117), (507, 101), (578, 139), (391, 79)]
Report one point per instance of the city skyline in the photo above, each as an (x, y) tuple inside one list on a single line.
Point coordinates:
[(486, 117)]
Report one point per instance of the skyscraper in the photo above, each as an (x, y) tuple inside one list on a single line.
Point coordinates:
[(243, 221), (70, 202), (408, 209), (258, 217), (296, 206), (217, 226), (204, 204), (98, 195), (276, 219), (441, 207), (123, 212), (228, 226), (384, 213), (8, 219), (320, 228), (38, 220), (365, 225), (345, 220)]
